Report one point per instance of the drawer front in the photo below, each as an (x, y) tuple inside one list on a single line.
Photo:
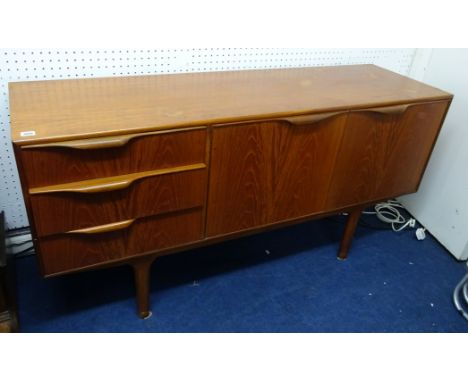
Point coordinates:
[(384, 152), (73, 161), (57, 212), (71, 251)]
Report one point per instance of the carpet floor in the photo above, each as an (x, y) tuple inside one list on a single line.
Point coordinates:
[(287, 280)]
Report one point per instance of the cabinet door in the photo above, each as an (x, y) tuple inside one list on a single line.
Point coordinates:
[(240, 178), (304, 154), (266, 172), (384, 152)]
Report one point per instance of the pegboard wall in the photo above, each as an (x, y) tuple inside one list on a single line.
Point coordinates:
[(46, 64)]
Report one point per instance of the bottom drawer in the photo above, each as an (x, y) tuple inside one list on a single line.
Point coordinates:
[(77, 249)]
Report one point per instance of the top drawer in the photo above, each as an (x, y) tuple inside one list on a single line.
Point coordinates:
[(69, 161)]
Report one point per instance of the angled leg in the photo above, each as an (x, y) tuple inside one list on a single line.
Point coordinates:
[(141, 270), (351, 224)]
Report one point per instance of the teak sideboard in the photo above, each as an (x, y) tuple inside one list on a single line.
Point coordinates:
[(123, 170)]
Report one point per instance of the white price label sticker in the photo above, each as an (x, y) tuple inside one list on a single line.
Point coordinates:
[(30, 133)]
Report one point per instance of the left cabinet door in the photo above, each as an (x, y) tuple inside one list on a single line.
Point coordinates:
[(271, 171), (240, 178)]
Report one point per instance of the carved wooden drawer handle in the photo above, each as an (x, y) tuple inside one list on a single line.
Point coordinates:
[(311, 118), (106, 142), (103, 228), (389, 110), (112, 183)]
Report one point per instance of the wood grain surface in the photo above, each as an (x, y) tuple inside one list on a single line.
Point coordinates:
[(65, 211), (302, 165), (384, 155), (270, 171), (240, 178), (113, 183), (267, 172), (70, 251), (72, 109), (57, 165), (122, 170)]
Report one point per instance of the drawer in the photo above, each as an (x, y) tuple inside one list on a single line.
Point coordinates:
[(71, 161), (77, 205), (98, 245)]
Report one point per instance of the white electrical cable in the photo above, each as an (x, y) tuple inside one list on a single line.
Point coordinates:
[(388, 213), (460, 296)]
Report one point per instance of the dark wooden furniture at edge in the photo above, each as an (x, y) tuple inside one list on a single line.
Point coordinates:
[(123, 170), (8, 311)]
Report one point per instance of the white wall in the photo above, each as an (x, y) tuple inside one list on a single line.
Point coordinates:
[(441, 204)]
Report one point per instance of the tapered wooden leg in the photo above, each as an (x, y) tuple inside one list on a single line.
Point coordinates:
[(141, 270), (351, 224)]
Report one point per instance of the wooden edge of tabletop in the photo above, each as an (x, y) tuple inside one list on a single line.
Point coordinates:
[(221, 121)]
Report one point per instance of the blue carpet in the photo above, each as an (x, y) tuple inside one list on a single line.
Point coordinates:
[(287, 280)]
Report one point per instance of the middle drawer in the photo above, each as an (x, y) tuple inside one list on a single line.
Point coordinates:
[(108, 200)]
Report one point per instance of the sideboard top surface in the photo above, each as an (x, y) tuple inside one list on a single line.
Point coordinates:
[(82, 108)]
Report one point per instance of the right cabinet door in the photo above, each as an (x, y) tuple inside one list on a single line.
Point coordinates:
[(384, 152)]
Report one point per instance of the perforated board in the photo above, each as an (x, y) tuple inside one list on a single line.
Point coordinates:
[(45, 64)]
